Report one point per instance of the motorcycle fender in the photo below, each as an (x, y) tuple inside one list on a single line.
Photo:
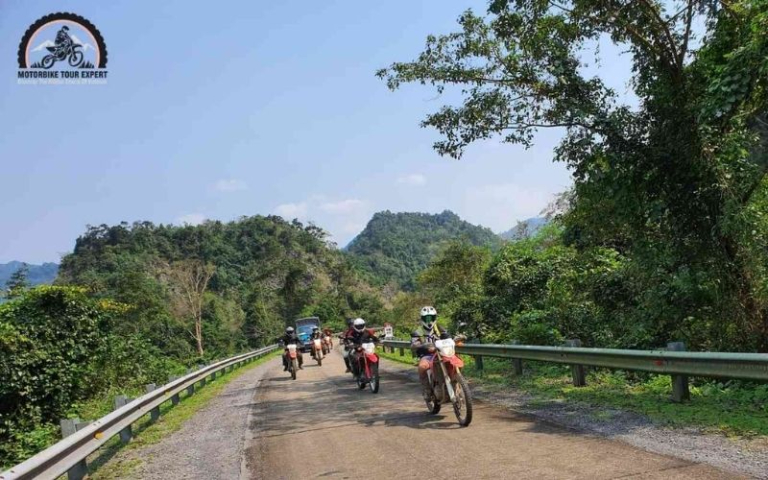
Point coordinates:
[(454, 361), (372, 357), (292, 355)]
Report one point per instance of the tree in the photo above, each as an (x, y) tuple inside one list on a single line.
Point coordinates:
[(674, 184), (18, 282), (188, 279)]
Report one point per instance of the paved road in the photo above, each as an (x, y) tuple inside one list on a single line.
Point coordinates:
[(321, 426)]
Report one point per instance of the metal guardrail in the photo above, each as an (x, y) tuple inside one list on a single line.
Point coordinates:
[(673, 361), (59, 458), (746, 366)]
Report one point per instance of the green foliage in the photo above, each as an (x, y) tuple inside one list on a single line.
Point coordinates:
[(395, 247), (674, 189), (58, 347), (267, 272)]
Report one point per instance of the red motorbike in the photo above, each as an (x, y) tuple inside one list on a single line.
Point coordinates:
[(292, 357), (367, 369), (447, 382)]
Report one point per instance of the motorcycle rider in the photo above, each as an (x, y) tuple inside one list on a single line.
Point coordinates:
[(63, 41), (288, 338), (315, 335), (357, 337), (346, 351), (423, 345)]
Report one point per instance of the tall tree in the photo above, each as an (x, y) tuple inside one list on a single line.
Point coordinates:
[(676, 182), (188, 279), (18, 282)]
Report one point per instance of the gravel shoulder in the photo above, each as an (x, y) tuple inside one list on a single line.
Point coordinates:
[(744, 456), (209, 445)]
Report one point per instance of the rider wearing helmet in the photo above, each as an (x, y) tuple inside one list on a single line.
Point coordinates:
[(345, 353), (288, 338), (357, 337), (63, 40), (315, 335), (423, 344)]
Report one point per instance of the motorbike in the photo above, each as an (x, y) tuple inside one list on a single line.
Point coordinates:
[(317, 351), (367, 369), (293, 360), (447, 382), (327, 344), (59, 54)]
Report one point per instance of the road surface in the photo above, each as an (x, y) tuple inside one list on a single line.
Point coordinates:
[(321, 426)]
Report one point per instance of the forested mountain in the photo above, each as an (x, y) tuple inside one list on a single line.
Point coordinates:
[(254, 275), (395, 247), (524, 229), (36, 274)]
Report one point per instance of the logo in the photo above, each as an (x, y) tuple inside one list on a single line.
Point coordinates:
[(62, 49)]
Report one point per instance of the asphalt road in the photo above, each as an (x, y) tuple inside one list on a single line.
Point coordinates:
[(321, 426)]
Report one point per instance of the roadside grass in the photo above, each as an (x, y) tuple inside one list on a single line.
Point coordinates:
[(103, 465), (732, 408)]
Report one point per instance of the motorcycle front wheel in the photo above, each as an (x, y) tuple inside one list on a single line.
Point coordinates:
[(319, 359), (76, 58), (462, 403), (374, 383), (294, 368)]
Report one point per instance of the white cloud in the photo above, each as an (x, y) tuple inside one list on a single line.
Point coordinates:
[(292, 210), (413, 180), (347, 206), (230, 185), (190, 219)]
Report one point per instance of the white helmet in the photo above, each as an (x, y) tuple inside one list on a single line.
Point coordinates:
[(358, 324), (428, 317)]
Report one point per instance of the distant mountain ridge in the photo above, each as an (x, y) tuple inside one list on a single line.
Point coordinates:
[(524, 229), (395, 247), (38, 274)]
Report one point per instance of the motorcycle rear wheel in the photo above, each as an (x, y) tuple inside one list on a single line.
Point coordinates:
[(294, 368), (48, 61), (462, 405)]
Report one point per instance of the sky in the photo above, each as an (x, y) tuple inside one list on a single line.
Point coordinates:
[(226, 109)]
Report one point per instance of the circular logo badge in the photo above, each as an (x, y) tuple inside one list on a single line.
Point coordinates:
[(62, 41)]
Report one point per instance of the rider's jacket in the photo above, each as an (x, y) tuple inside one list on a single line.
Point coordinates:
[(354, 337), (289, 338), (421, 339)]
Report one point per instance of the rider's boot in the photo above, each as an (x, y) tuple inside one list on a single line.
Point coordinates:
[(426, 389)]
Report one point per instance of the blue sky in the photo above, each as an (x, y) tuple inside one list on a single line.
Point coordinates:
[(243, 108)]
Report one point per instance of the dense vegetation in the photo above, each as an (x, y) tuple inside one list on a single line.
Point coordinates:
[(666, 224), (136, 303), (394, 247)]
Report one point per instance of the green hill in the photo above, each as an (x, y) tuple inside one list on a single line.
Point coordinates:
[(395, 247)]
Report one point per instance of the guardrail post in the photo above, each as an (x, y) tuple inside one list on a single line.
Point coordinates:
[(175, 397), (478, 359), (127, 432), (577, 371), (517, 363), (401, 351), (680, 391), (68, 427), (154, 414)]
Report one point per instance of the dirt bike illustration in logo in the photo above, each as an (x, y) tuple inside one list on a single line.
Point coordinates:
[(64, 48)]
